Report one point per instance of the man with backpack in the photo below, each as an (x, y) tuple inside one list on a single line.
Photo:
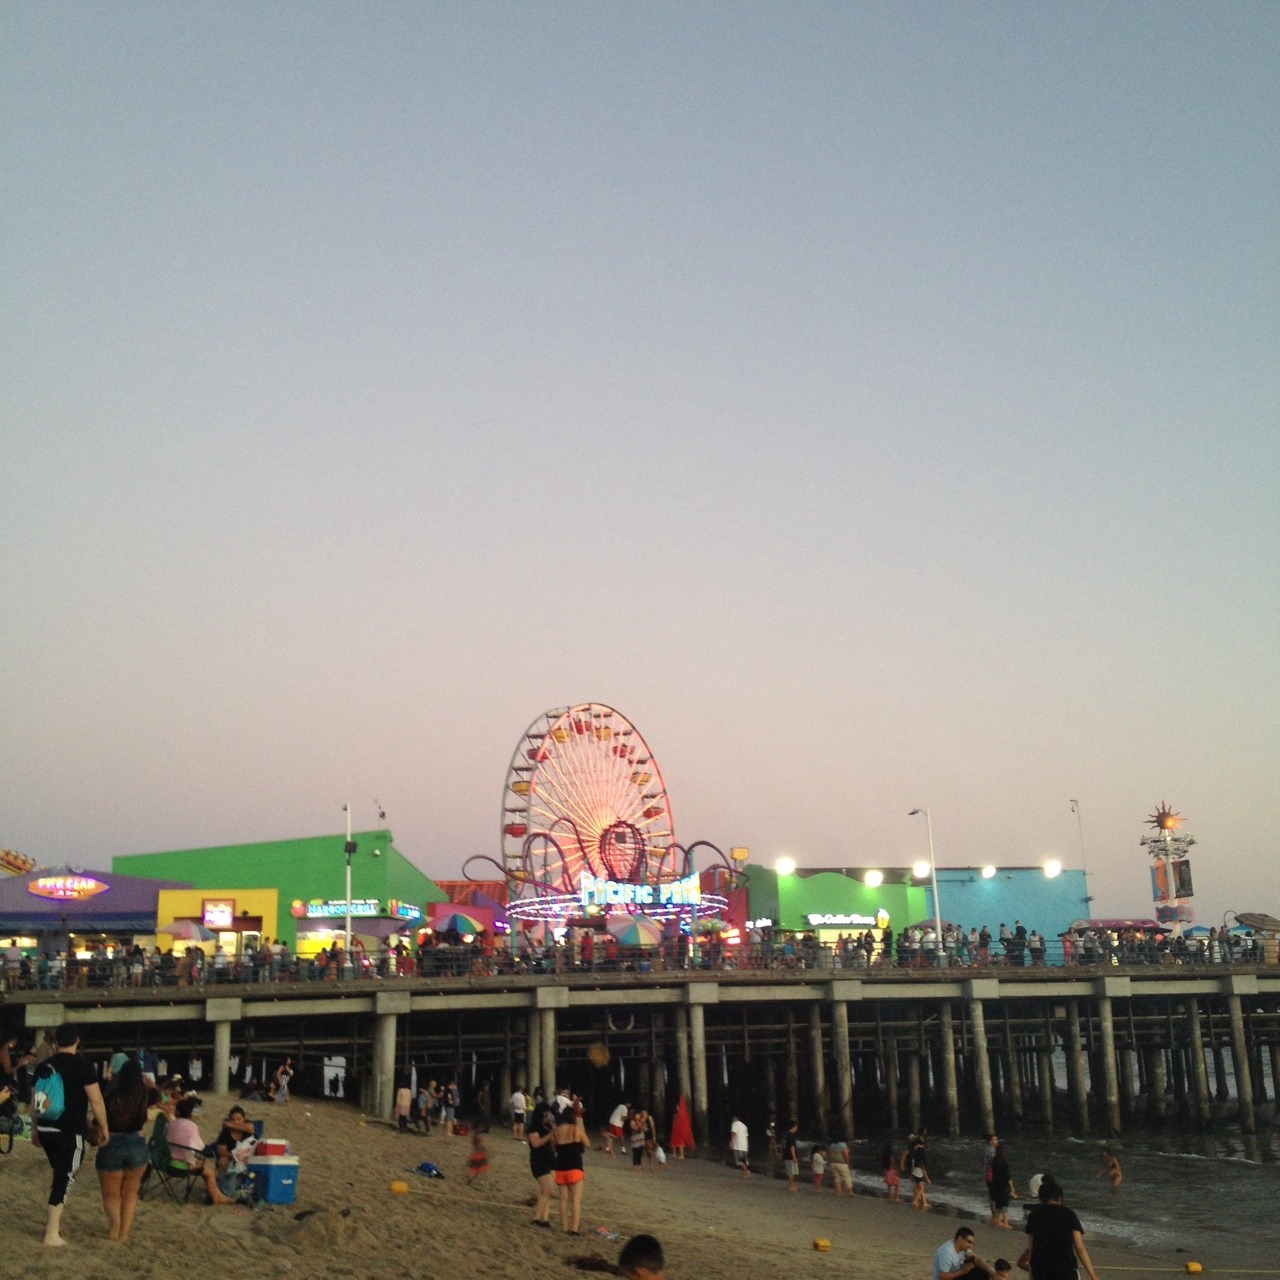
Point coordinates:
[(65, 1091)]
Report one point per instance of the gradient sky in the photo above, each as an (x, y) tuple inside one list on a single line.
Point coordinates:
[(877, 403)]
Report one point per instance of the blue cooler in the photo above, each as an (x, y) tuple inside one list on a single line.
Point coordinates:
[(275, 1178)]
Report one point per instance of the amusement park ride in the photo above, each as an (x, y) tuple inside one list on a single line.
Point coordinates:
[(587, 831)]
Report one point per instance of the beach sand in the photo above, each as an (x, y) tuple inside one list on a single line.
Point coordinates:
[(347, 1222)]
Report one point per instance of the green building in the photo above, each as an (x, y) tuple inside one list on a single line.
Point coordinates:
[(309, 875), (833, 902)]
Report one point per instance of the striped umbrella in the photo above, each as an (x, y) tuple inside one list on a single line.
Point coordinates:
[(635, 931), (460, 920)]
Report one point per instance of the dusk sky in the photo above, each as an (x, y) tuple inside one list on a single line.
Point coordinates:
[(879, 404)]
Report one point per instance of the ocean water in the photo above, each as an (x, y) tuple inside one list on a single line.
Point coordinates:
[(1213, 1196)]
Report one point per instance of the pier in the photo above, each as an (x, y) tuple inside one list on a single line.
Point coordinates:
[(847, 1053)]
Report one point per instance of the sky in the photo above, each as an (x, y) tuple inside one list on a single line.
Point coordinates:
[(878, 404)]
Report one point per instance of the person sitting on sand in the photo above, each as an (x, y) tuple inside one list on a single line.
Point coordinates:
[(1111, 1167), (235, 1129), (642, 1259), (187, 1149), (955, 1259)]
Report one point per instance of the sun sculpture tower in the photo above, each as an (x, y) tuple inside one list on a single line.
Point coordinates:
[(1167, 848)]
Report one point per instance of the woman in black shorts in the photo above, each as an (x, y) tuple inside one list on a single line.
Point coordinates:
[(542, 1161)]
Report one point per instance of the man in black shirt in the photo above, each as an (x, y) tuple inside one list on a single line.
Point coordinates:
[(63, 1137)]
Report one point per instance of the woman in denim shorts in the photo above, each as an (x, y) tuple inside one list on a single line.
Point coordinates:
[(122, 1159)]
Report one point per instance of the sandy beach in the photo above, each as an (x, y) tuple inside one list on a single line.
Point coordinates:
[(347, 1221)]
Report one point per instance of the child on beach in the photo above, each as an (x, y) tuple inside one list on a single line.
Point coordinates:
[(1002, 1269), (478, 1161), (892, 1179), (818, 1162), (1111, 1167), (642, 1259)]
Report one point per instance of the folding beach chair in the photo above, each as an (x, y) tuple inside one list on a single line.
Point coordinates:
[(172, 1177)]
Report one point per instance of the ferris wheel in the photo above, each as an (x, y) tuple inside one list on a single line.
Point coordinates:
[(583, 792)]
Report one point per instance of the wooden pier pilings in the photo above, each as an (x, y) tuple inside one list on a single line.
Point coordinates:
[(847, 1054)]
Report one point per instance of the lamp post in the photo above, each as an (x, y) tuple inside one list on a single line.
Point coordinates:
[(349, 848), (933, 878), (1075, 808)]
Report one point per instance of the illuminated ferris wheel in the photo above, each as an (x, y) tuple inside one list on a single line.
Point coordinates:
[(583, 791)]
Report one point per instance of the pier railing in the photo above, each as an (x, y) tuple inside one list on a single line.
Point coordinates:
[(796, 955)]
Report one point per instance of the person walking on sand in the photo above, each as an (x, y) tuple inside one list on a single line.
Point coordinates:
[(841, 1173), (889, 1171), (681, 1130), (62, 1136), (917, 1162), (791, 1156), (1001, 1189), (1057, 1238), (613, 1130), (1111, 1167), (123, 1157), (740, 1145)]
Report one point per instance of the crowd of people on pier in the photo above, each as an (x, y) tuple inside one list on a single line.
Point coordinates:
[(448, 955)]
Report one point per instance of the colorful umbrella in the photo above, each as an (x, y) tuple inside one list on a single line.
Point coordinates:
[(460, 920), (635, 931), (188, 931)]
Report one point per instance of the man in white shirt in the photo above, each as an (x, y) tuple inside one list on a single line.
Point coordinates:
[(614, 1130), (738, 1144), (518, 1107), (956, 1259)]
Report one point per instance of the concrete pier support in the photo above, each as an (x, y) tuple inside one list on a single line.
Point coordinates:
[(684, 1070), (913, 1090), (1199, 1069), (384, 1062), (1013, 1069), (546, 1001), (222, 1013), (1046, 1086), (1077, 1081), (976, 990), (891, 1065), (844, 1063), (547, 1035), (1110, 1081), (818, 1070), (1127, 1085), (1156, 1097), (1242, 984), (533, 1052), (947, 1060), (699, 995)]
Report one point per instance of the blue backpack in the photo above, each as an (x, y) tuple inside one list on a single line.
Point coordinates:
[(49, 1099)]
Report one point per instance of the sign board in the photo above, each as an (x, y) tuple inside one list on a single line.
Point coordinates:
[(218, 913), (67, 888), (596, 892), (317, 909)]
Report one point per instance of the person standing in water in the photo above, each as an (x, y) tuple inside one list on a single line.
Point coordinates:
[(1111, 1167)]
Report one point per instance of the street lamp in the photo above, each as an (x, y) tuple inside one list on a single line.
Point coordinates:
[(349, 848), (933, 877)]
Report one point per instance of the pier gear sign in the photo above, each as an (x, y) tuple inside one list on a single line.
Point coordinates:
[(49, 1099)]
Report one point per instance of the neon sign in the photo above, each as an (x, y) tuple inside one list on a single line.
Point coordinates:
[(401, 910), (596, 892), (218, 913), (359, 907), (69, 888), (819, 921)]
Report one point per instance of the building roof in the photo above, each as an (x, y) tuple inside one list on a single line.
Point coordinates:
[(127, 904)]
